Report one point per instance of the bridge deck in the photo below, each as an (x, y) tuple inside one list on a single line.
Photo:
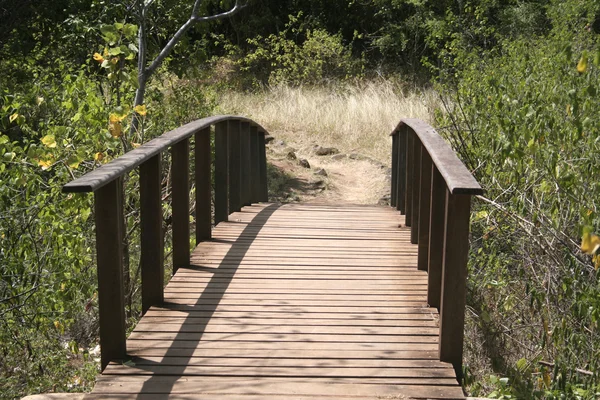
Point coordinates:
[(291, 302)]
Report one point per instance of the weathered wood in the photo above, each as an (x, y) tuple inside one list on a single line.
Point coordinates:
[(457, 177), (255, 160), (127, 162), (203, 177), (109, 250), (335, 301), (454, 279), (395, 168), (151, 242), (246, 159), (221, 172), (410, 163), (424, 210), (180, 187), (235, 167), (436, 237), (416, 189), (402, 150), (262, 152)]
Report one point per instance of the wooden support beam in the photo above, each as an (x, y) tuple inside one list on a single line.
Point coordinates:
[(203, 185), (180, 187), (235, 167), (402, 150), (436, 238), (109, 252), (262, 152), (395, 167), (424, 209), (255, 160), (221, 172), (151, 224), (454, 280), (410, 138), (246, 178), (416, 189)]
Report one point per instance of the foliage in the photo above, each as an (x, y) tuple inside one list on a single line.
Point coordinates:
[(524, 118)]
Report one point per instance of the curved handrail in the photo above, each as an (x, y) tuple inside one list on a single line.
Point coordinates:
[(433, 188), (99, 177), (457, 177)]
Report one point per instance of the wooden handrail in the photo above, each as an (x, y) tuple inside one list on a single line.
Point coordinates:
[(240, 175), (433, 189)]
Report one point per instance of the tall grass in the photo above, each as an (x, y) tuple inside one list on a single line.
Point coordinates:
[(354, 117)]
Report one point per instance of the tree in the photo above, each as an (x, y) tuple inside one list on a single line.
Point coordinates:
[(146, 69)]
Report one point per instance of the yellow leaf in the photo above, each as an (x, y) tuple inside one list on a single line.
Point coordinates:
[(49, 141), (98, 156), (114, 60), (583, 63), (105, 53), (98, 57), (13, 117), (45, 164), (596, 260), (39, 100), (114, 125), (135, 145), (590, 243), (140, 109)]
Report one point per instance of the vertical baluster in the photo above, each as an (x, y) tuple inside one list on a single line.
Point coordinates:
[(235, 167), (109, 251), (416, 176), (262, 152), (394, 188), (255, 160), (246, 164), (424, 209), (221, 172), (202, 171), (410, 138), (436, 238), (402, 150), (454, 279), (180, 187), (151, 223)]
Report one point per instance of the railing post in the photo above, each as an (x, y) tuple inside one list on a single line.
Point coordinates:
[(255, 160), (454, 275), (245, 141), (424, 209), (235, 167), (395, 167), (221, 172), (262, 153), (203, 188), (151, 224), (436, 238), (180, 187), (416, 189), (410, 138), (401, 180), (109, 251)]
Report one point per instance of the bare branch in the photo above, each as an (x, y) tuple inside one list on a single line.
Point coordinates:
[(184, 28)]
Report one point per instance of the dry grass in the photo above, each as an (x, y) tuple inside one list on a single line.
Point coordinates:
[(351, 117)]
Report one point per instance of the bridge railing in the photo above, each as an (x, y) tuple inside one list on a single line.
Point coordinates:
[(240, 178), (433, 189)]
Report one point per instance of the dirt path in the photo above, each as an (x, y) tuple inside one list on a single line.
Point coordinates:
[(332, 179)]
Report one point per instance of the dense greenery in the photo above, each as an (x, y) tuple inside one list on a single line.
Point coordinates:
[(519, 80)]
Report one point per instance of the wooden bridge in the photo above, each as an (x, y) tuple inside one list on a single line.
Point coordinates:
[(291, 301)]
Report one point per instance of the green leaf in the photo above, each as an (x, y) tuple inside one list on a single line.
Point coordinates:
[(9, 156)]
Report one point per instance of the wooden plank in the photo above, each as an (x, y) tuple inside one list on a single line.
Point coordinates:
[(416, 190), (221, 172), (151, 223), (410, 164), (424, 210), (101, 176), (395, 168), (109, 252), (457, 177), (180, 187), (203, 177), (402, 150), (454, 279), (235, 167), (246, 164), (255, 160), (436, 238)]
